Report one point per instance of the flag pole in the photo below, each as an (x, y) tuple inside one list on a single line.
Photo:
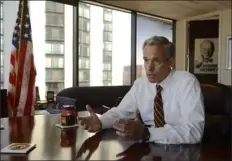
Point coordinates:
[(18, 56)]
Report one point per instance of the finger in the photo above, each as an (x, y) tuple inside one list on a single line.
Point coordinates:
[(123, 134), (137, 116), (86, 126), (82, 123), (81, 118), (89, 109), (90, 129), (121, 123), (119, 128)]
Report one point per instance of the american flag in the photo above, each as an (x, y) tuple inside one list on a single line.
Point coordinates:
[(21, 90)]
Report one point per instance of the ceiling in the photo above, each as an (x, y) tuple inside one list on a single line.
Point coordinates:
[(171, 9)]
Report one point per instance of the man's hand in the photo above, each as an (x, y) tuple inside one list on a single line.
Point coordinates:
[(132, 129), (91, 122)]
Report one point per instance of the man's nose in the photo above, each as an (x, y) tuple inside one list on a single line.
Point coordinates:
[(150, 66)]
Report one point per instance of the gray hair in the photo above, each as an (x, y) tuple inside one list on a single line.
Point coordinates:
[(160, 40)]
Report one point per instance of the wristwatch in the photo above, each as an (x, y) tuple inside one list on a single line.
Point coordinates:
[(146, 134)]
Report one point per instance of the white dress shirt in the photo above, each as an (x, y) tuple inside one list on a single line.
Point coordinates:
[(182, 103)]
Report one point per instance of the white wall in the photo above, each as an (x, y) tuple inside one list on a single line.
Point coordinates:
[(224, 76)]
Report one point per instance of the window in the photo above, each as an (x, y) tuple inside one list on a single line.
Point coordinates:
[(1, 27), (1, 74), (83, 50), (54, 33), (54, 48), (54, 62), (84, 63), (147, 27), (1, 49), (107, 36), (84, 75), (84, 37), (102, 60), (2, 61), (107, 16), (1, 43), (84, 10), (107, 59), (106, 83), (107, 46), (54, 19), (107, 66), (83, 84), (107, 26), (107, 53), (1, 10), (83, 24), (54, 75), (54, 7), (107, 76)]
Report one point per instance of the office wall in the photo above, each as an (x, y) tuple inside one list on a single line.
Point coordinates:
[(224, 75)]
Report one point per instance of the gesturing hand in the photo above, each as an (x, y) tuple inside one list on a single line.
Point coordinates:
[(132, 129), (91, 122)]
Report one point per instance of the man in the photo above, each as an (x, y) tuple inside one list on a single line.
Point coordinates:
[(169, 102), (207, 50)]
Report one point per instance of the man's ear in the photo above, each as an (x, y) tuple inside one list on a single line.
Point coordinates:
[(172, 63)]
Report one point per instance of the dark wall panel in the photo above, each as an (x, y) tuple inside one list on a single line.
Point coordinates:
[(206, 29)]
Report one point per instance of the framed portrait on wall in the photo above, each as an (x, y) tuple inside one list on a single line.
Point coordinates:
[(228, 53), (206, 56)]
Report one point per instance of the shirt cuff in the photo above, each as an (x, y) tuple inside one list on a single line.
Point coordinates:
[(158, 135), (106, 122)]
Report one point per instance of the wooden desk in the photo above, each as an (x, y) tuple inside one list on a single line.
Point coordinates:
[(105, 145)]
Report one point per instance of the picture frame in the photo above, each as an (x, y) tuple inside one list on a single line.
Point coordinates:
[(229, 53), (205, 56)]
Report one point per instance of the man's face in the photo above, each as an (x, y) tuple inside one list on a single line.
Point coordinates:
[(155, 62), (207, 50)]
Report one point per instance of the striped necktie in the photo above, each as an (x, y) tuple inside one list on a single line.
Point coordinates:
[(158, 108)]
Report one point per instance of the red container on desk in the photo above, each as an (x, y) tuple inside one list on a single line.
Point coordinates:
[(68, 115), (68, 137)]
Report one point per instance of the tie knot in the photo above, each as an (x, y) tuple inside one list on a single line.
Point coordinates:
[(158, 88)]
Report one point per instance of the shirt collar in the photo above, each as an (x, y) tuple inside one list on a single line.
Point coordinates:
[(167, 81)]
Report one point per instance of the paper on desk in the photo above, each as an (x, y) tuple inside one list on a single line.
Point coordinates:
[(18, 148)]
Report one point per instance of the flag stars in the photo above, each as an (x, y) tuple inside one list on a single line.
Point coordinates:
[(26, 35), (26, 25)]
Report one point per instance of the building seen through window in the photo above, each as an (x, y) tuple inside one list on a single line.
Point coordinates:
[(1, 48), (54, 41), (102, 51)]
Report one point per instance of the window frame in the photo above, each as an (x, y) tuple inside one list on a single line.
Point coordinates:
[(133, 33)]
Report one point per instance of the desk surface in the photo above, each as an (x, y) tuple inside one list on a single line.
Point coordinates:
[(54, 144)]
